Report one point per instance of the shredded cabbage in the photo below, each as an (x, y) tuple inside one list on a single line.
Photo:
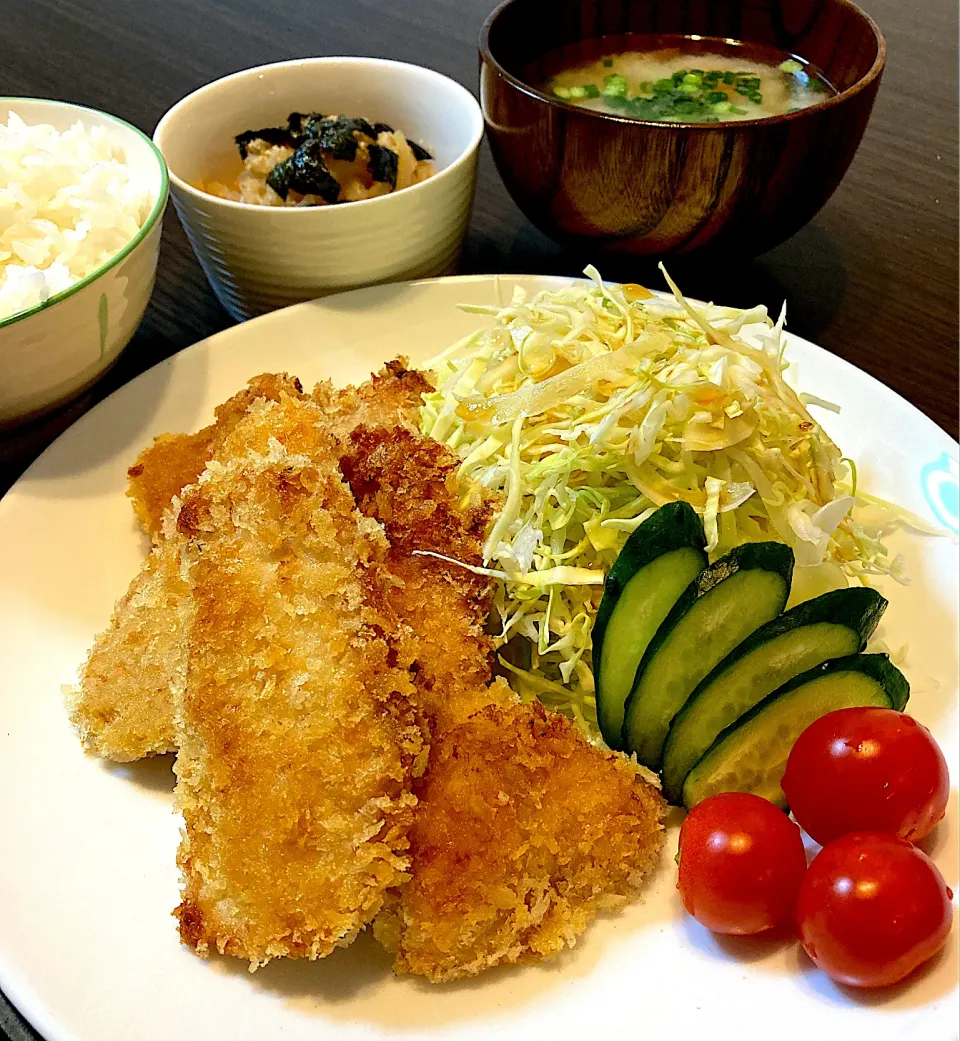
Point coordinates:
[(584, 409)]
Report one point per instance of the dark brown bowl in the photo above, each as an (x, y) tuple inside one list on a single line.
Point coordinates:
[(652, 189)]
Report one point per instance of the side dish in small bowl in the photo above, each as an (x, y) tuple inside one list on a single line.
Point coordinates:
[(323, 160), (306, 177), (662, 128)]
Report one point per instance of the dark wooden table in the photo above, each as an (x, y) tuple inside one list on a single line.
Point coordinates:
[(874, 278)]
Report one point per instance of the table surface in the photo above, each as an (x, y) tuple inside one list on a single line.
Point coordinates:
[(873, 278)]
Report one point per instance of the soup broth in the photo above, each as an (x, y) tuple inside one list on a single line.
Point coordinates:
[(684, 81)]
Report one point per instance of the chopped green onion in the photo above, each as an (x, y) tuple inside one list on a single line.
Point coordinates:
[(607, 63), (578, 92), (691, 77), (562, 92), (662, 86), (722, 107), (728, 78), (592, 90), (615, 86), (716, 97), (738, 111), (790, 66), (689, 88)]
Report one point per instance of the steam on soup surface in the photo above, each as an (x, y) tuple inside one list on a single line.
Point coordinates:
[(678, 84)]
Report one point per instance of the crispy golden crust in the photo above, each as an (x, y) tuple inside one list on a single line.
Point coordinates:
[(174, 461), (523, 832), (391, 397), (122, 707), (298, 738), (406, 482)]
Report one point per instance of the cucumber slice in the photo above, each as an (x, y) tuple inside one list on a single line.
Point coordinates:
[(830, 626), (728, 601), (751, 755), (657, 563)]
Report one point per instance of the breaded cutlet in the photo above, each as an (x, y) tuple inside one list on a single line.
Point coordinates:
[(175, 460), (523, 832), (297, 735), (407, 482), (390, 398), (123, 704)]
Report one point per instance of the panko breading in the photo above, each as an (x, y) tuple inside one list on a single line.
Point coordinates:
[(391, 397), (523, 832), (297, 736), (123, 706), (407, 483), (174, 461)]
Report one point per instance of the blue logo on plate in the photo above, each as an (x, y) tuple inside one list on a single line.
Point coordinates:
[(940, 481)]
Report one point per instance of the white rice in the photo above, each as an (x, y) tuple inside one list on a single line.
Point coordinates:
[(68, 203)]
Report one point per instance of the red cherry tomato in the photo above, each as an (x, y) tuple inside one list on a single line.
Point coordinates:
[(866, 769), (872, 907), (741, 862)]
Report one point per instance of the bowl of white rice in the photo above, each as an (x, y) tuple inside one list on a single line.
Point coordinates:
[(82, 194)]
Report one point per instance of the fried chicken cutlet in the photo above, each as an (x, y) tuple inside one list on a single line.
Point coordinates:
[(174, 461), (298, 739), (523, 832), (407, 482), (123, 705)]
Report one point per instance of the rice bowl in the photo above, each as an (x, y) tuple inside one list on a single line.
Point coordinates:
[(68, 204), (78, 319)]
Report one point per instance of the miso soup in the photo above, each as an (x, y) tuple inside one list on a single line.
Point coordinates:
[(682, 80)]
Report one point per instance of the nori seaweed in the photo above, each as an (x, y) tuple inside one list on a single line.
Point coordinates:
[(382, 128), (297, 123), (272, 136), (338, 136), (383, 164), (305, 172), (419, 152)]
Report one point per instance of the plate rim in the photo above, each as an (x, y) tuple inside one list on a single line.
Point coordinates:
[(14, 985)]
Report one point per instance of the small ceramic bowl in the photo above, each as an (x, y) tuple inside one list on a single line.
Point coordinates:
[(258, 258), (56, 350), (611, 184)]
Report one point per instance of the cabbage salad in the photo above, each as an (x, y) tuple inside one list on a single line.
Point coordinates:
[(583, 410)]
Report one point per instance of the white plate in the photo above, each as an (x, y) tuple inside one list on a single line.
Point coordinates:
[(88, 950)]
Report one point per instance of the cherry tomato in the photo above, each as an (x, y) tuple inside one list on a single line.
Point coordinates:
[(741, 862), (866, 769), (872, 907)]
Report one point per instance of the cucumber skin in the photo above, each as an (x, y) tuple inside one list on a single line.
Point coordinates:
[(674, 526), (857, 608), (769, 556), (876, 666)]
